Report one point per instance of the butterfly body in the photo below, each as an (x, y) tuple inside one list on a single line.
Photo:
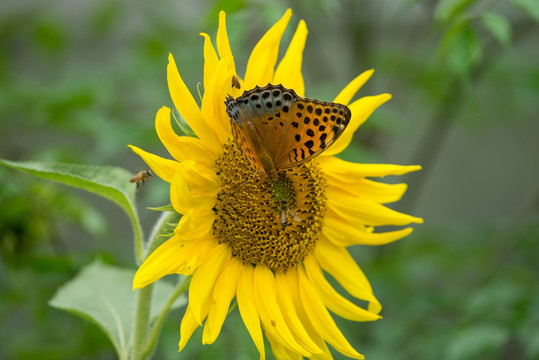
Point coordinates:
[(277, 129)]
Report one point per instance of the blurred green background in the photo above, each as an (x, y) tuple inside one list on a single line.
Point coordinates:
[(79, 80)]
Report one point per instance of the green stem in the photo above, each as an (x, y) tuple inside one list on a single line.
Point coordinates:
[(139, 243), (164, 225), (142, 319), (152, 341)]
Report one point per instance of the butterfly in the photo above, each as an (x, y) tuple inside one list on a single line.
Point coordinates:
[(276, 129)]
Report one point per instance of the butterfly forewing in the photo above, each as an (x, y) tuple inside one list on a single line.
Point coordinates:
[(314, 127), (260, 115), (276, 129)]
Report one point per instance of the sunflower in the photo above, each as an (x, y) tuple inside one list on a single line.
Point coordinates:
[(231, 238)]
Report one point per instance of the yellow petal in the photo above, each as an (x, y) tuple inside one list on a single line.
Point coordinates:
[(179, 254), (361, 109), (201, 179), (280, 352), (223, 293), (213, 107), (262, 61), (188, 108), (288, 72), (286, 303), (341, 234), (366, 211), (204, 278), (195, 224), (189, 323), (337, 166), (164, 168), (339, 264), (210, 62), (247, 307), (223, 45), (269, 311), (321, 319), (351, 89), (187, 328), (380, 192), (181, 147), (291, 283), (183, 199), (161, 262), (195, 255), (333, 300)]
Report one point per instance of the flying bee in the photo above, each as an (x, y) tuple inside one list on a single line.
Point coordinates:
[(236, 82), (286, 212), (141, 177)]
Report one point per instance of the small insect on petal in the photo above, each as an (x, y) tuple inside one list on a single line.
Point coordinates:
[(236, 82), (141, 177)]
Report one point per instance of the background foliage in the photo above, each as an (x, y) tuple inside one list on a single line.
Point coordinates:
[(81, 80)]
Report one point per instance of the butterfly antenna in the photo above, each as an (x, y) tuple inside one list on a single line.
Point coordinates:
[(250, 179)]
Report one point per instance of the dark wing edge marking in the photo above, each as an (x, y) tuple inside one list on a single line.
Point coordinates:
[(314, 141)]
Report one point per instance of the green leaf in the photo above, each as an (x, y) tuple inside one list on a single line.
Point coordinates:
[(464, 50), (474, 341), (530, 7), (498, 27), (109, 182), (103, 294), (447, 10)]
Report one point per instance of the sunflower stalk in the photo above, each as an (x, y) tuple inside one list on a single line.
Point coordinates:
[(141, 343), (142, 320), (158, 324)]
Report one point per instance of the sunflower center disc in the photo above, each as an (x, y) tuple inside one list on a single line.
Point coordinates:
[(259, 219)]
